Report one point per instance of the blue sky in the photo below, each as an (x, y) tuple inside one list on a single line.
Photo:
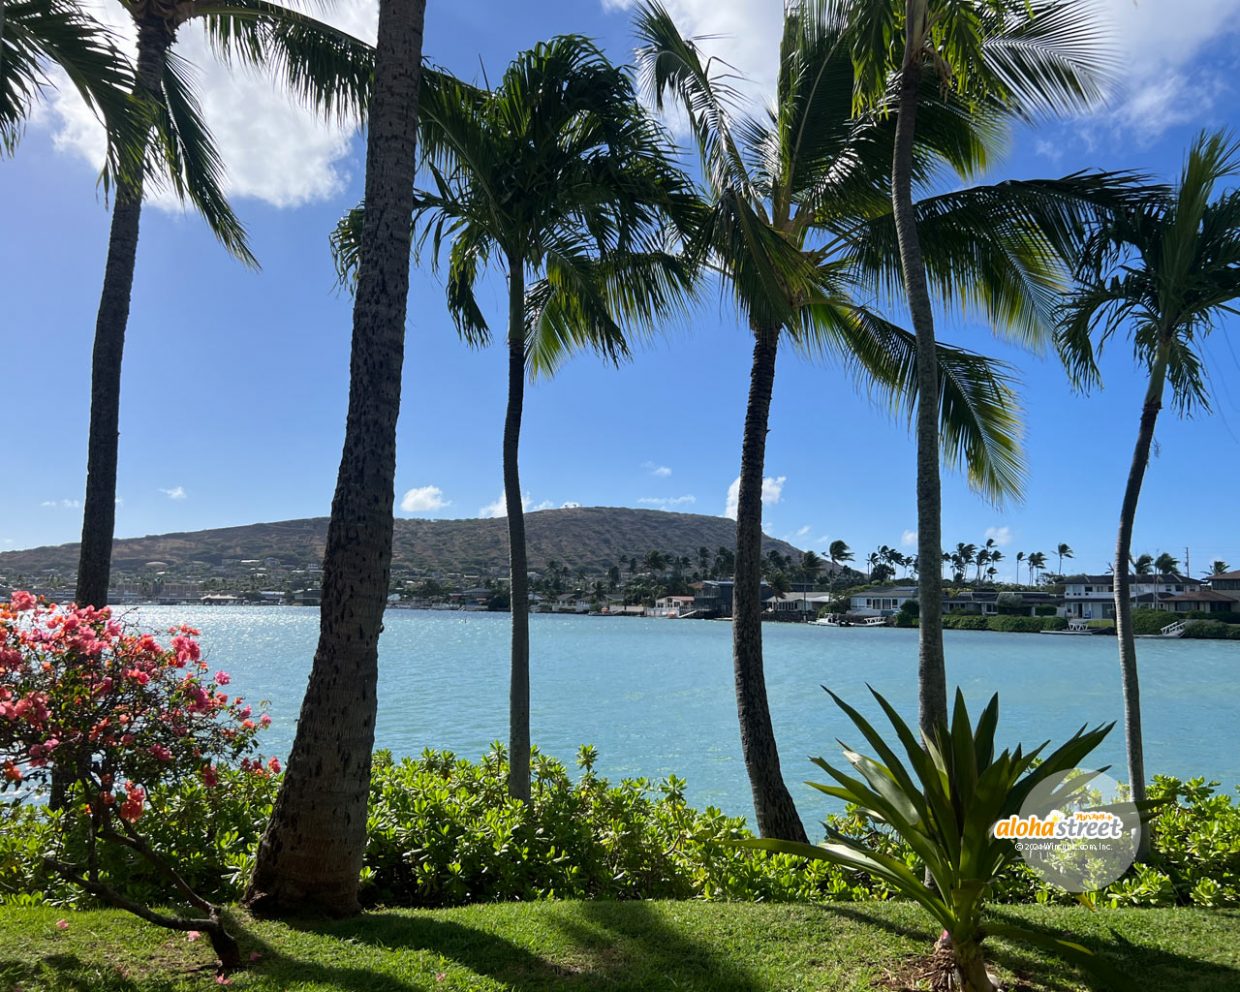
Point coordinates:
[(235, 381)]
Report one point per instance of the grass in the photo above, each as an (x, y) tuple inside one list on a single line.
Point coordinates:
[(619, 947)]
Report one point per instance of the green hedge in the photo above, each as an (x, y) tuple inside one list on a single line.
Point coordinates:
[(1004, 623), (443, 831), (1211, 630)]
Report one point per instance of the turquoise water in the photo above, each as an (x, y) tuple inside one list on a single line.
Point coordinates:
[(656, 696)]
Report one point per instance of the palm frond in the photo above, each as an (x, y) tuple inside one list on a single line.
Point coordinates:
[(1003, 251), (980, 424), (325, 67), (185, 156), (39, 34), (671, 65)]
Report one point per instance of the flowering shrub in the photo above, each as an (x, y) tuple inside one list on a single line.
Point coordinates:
[(107, 714)]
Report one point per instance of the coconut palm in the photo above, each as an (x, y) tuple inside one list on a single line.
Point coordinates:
[(561, 179), (1219, 568), (799, 225), (1063, 551), (1166, 564), (838, 553), (311, 854), (37, 35), (1164, 272), (1020, 58), (325, 67), (1036, 562), (1142, 564)]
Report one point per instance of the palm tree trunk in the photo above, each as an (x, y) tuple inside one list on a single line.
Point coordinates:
[(519, 686), (931, 666), (311, 854), (1133, 739), (776, 813), (99, 508)]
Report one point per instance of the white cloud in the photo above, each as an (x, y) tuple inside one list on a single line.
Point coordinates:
[(499, 509), (801, 532), (424, 499), (659, 471), (176, 492), (772, 492), (1156, 43), (909, 539), (666, 501), (63, 504), (274, 149), (743, 33), (1002, 536)]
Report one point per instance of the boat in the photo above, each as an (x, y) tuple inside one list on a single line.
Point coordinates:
[(1076, 628), (839, 620)]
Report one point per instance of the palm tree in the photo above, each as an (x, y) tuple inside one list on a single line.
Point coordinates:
[(1165, 564), (311, 854), (1020, 557), (1063, 551), (324, 66), (563, 180), (811, 565), (1219, 568), (1142, 564), (797, 216), (1017, 57), (838, 553), (36, 35), (1036, 562)]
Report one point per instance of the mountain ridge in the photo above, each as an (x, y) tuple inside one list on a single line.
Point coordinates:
[(593, 538)]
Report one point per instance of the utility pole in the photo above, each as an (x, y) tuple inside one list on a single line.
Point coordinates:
[(1188, 564)]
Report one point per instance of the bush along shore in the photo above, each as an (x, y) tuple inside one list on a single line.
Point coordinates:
[(1145, 621), (442, 831)]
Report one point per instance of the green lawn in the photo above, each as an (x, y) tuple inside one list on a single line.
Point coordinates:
[(686, 946)]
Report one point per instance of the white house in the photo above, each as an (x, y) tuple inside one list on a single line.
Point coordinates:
[(881, 602), (671, 607), (1092, 597), (797, 603)]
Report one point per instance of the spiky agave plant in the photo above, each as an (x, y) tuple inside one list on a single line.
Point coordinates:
[(943, 803)]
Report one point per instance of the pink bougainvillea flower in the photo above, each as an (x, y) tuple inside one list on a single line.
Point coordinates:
[(62, 924), (222, 980), (192, 935), (222, 678), (274, 765), (23, 601), (255, 956)]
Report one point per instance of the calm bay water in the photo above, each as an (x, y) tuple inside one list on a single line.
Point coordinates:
[(656, 697)]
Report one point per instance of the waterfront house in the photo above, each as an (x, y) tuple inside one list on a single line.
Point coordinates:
[(1227, 584), (1092, 597), (671, 606), (883, 602), (799, 604), (715, 597), (1203, 601)]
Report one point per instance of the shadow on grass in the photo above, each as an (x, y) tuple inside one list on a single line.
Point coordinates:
[(618, 946), (1146, 967), (71, 974)]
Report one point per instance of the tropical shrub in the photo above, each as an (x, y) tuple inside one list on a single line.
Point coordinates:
[(110, 714), (1211, 630), (965, 621), (942, 805), (1148, 621)]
